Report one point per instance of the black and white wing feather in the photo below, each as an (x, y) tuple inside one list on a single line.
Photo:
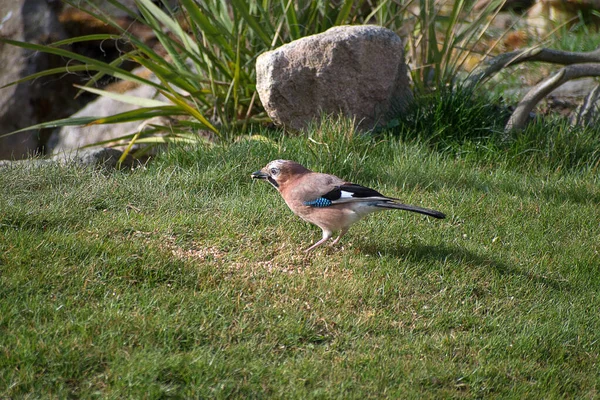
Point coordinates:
[(352, 193), (348, 193)]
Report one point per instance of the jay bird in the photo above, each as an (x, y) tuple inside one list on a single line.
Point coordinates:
[(326, 200)]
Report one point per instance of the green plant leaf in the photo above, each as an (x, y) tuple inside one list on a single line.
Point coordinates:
[(182, 103), (344, 12), (98, 65), (86, 38), (124, 98), (242, 7), (291, 18), (54, 124), (61, 70), (211, 29), (139, 114)]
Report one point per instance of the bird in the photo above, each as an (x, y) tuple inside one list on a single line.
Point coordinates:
[(327, 201)]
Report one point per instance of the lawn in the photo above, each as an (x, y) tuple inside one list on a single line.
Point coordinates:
[(184, 278)]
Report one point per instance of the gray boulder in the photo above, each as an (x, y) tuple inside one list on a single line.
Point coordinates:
[(21, 105), (356, 70)]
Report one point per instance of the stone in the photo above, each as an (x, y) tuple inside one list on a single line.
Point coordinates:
[(102, 157), (32, 21), (53, 97), (358, 71), (69, 138), (73, 137)]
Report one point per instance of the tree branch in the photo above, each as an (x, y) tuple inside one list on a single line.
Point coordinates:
[(532, 54), (519, 117)]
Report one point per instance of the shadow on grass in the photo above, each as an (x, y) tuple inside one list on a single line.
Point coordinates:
[(555, 192), (444, 253)]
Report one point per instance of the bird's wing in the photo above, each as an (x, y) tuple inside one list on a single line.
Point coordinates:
[(347, 193)]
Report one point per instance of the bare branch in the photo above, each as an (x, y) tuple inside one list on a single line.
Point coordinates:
[(532, 54), (519, 117)]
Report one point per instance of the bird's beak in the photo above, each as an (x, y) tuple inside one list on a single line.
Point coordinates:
[(259, 175)]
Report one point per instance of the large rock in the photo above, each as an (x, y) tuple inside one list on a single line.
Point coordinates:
[(356, 70), (53, 97), (31, 21)]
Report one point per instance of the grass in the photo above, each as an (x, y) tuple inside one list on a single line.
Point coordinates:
[(185, 278), (470, 126)]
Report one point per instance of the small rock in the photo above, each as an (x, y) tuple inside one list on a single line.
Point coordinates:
[(356, 70), (69, 138), (103, 157)]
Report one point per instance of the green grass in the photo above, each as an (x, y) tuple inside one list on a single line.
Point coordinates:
[(185, 279), (470, 126)]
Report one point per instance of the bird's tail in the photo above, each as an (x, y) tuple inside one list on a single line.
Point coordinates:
[(400, 206)]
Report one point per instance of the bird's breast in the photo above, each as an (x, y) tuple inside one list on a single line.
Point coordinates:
[(334, 217)]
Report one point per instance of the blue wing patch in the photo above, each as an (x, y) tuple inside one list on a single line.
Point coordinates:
[(320, 202)]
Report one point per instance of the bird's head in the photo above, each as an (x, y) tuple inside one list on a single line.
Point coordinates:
[(278, 172)]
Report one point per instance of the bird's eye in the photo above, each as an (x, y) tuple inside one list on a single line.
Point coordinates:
[(274, 171)]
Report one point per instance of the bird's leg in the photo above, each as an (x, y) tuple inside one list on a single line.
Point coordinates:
[(342, 233), (326, 236)]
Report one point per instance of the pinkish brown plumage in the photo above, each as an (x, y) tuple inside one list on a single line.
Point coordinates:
[(326, 200)]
